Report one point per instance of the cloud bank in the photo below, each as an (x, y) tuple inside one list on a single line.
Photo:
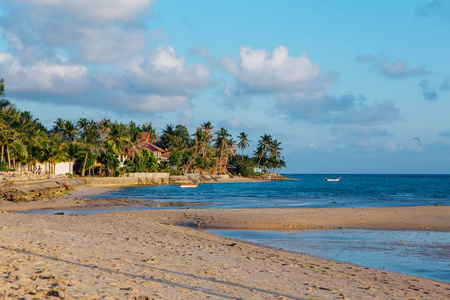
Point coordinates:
[(59, 51), (301, 89), (397, 70)]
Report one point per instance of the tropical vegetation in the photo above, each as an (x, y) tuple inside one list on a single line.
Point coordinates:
[(111, 148)]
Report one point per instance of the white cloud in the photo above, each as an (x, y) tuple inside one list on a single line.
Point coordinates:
[(264, 71), (166, 73), (97, 10), (43, 76), (4, 57), (107, 43), (97, 49)]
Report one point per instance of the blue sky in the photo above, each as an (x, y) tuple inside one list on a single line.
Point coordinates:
[(345, 86)]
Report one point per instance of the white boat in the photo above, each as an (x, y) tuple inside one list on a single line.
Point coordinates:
[(188, 185), (332, 179)]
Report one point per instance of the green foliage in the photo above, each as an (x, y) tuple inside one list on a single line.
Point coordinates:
[(25, 140), (79, 160), (175, 158), (109, 159), (201, 163), (244, 165), (145, 162), (150, 161)]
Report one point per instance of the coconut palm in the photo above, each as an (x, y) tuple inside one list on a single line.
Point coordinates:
[(118, 137), (10, 130), (275, 149), (89, 138), (53, 153), (70, 131), (134, 139), (222, 143), (244, 142), (152, 136), (104, 126), (201, 144), (263, 146), (208, 129), (59, 126)]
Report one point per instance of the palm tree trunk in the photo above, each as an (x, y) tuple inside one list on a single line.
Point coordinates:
[(9, 158), (190, 163), (84, 164), (260, 158), (3, 150)]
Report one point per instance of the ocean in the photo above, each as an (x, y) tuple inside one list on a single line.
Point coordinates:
[(306, 190), (424, 254)]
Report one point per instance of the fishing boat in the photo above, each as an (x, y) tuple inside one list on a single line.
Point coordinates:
[(189, 185), (332, 179)]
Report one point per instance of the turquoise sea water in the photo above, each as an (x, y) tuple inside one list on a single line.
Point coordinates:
[(419, 253), (427, 255), (307, 191)]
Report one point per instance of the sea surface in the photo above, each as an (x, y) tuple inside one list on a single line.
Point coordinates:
[(424, 254), (306, 191), (419, 253)]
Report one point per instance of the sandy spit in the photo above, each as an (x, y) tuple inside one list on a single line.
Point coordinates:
[(426, 218), (127, 255), (146, 255)]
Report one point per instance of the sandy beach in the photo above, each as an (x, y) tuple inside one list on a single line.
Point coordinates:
[(159, 254)]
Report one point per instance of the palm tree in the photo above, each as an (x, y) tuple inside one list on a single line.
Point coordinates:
[(244, 142), (59, 126), (152, 137), (104, 127), (52, 153), (134, 139), (34, 138), (70, 131), (207, 128), (201, 144), (222, 143), (167, 139), (275, 149), (10, 130), (89, 138), (118, 137), (281, 164), (264, 145)]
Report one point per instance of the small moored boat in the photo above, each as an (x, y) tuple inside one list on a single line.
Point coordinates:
[(188, 185), (332, 179)]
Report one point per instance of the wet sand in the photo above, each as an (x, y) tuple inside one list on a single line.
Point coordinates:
[(147, 255)]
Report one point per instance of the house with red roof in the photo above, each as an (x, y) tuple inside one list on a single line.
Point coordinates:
[(145, 143)]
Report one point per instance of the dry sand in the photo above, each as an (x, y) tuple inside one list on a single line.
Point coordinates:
[(142, 255)]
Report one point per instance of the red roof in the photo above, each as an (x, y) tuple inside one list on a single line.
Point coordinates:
[(152, 147), (145, 136)]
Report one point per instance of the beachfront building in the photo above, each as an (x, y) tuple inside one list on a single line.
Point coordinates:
[(145, 143), (222, 164), (160, 154), (46, 168)]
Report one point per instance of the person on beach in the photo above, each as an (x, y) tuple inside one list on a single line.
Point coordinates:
[(39, 170)]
